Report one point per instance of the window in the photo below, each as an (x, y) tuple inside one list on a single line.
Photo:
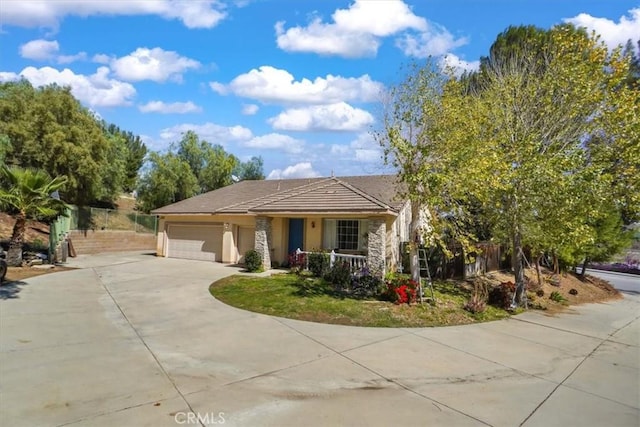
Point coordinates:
[(347, 234), (344, 234)]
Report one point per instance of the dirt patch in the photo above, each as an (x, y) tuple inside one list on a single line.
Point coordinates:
[(36, 232), (15, 274), (571, 288)]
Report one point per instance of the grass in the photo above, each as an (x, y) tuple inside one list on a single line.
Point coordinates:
[(312, 299)]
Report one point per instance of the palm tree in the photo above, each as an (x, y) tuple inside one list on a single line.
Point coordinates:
[(26, 194)]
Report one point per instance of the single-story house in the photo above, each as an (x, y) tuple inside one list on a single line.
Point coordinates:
[(361, 215)]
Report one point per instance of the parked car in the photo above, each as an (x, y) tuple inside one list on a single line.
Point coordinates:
[(3, 265)]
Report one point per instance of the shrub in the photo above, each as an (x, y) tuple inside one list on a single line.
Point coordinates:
[(478, 301), (340, 276), (366, 285), (401, 290), (253, 261), (501, 296), (557, 297), (319, 263), (297, 262)]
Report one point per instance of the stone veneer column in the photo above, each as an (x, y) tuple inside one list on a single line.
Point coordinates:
[(263, 240), (376, 249)]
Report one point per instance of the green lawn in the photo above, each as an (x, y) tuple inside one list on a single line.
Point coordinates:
[(312, 299)]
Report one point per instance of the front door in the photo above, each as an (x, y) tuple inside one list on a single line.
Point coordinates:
[(296, 234)]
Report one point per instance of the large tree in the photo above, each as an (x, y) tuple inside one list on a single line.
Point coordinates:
[(47, 128), (514, 140), (191, 166), (27, 194)]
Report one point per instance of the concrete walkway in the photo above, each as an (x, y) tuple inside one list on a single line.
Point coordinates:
[(135, 340)]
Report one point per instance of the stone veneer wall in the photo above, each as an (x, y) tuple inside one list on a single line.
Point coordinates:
[(263, 240), (376, 255)]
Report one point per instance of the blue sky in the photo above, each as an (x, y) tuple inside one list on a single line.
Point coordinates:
[(296, 82)]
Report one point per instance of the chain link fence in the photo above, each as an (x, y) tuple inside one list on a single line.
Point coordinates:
[(85, 218)]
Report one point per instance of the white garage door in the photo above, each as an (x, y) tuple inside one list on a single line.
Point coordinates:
[(201, 242), (246, 241)]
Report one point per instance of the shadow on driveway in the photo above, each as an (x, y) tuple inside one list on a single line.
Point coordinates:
[(10, 290)]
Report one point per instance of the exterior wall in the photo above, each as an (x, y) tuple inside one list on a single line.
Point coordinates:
[(398, 231), (377, 244), (263, 240), (313, 234), (230, 222)]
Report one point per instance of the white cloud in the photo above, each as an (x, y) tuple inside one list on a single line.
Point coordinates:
[(273, 85), (333, 117), (214, 133), (363, 149), (299, 170), (39, 50), (7, 76), (613, 34), (354, 32), (67, 59), (48, 13), (152, 64), (171, 108), (96, 90), (434, 41), (276, 141), (458, 65), (249, 109), (101, 58), (44, 50)]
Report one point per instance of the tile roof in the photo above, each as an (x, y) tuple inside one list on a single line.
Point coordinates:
[(371, 193)]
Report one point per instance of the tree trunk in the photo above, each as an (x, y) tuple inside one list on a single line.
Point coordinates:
[(416, 239), (584, 266), (538, 270), (14, 255), (518, 266)]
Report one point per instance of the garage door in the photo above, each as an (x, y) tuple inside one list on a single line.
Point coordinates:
[(246, 241), (201, 242)]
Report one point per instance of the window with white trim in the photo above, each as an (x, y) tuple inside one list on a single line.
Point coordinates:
[(344, 234)]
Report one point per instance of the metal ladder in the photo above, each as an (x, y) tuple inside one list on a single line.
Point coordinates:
[(423, 265)]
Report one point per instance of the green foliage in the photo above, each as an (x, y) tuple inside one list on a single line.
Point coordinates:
[(250, 170), (557, 297), (132, 149), (319, 263), (26, 194), (340, 276), (198, 165), (512, 141), (253, 261), (366, 285), (168, 179), (47, 128)]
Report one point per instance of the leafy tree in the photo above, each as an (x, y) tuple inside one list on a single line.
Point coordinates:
[(132, 149), (49, 129), (250, 170), (168, 179), (514, 141), (26, 193)]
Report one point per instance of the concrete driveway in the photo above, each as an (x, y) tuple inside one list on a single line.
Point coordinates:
[(135, 340)]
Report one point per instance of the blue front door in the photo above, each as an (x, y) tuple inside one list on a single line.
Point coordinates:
[(296, 234)]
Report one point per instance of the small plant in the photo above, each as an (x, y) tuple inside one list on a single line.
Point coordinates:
[(478, 301), (319, 263), (253, 261), (340, 276), (557, 297), (501, 296), (401, 290), (297, 262), (573, 291), (366, 285), (540, 292)]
